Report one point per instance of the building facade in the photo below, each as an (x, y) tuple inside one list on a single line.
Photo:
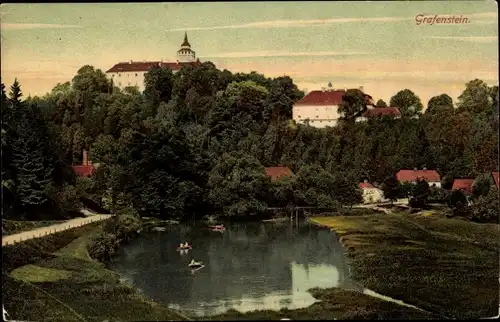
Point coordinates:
[(319, 108), (132, 73), (371, 194)]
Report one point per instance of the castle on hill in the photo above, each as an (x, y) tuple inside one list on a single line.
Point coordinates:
[(132, 73)]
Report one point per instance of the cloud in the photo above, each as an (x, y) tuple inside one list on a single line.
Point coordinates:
[(18, 26), (297, 23), (252, 54), (480, 39)]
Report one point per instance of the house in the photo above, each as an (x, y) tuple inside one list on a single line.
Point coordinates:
[(465, 185), (319, 108), (86, 169), (411, 176), (132, 73), (277, 172), (373, 112), (495, 176), (371, 194)]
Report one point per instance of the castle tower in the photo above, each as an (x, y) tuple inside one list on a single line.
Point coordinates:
[(185, 54)]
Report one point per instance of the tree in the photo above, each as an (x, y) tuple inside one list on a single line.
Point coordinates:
[(485, 209), (381, 103), (456, 197), (447, 182), (32, 174), (90, 81), (481, 186), (391, 188), (439, 103), (158, 83), (353, 104), (238, 185), (407, 102), (420, 194), (476, 98), (15, 94)]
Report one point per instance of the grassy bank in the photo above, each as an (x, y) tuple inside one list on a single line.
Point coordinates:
[(56, 278), (337, 304), (16, 226), (447, 266)]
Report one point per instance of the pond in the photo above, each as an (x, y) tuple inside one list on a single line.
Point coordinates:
[(249, 266)]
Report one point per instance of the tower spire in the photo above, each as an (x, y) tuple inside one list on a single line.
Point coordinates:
[(186, 42)]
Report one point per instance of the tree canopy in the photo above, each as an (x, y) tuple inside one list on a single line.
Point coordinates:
[(198, 141)]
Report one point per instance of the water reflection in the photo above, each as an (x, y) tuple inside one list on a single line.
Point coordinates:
[(248, 267)]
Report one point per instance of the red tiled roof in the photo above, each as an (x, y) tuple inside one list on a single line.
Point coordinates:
[(413, 175), (145, 66), (495, 176), (463, 184), (327, 97), (365, 185), (382, 111), (83, 170), (276, 172)]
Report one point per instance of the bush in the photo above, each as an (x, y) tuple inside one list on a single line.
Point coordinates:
[(485, 208), (119, 229)]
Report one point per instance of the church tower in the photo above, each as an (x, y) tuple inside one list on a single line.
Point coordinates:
[(185, 54)]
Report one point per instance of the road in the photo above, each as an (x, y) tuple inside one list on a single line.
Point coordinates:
[(43, 231)]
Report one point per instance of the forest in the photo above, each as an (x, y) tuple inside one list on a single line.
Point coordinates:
[(198, 141)]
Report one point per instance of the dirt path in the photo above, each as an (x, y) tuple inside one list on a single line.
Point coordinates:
[(43, 231)]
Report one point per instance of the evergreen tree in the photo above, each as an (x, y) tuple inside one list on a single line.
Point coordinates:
[(28, 159)]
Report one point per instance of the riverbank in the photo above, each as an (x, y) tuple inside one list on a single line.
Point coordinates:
[(446, 266), (334, 303), (57, 278)]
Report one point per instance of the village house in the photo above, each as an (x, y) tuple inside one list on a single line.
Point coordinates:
[(411, 176), (464, 185), (319, 108), (86, 169), (132, 73), (277, 172), (371, 194), (495, 176)]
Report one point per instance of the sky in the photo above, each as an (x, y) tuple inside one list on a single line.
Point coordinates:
[(377, 45)]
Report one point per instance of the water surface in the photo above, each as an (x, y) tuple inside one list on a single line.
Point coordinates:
[(247, 267)]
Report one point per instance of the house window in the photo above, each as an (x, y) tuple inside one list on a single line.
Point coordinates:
[(112, 75), (299, 116), (119, 83), (119, 75), (135, 74), (317, 116)]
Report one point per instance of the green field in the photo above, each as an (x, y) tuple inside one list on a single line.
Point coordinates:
[(446, 266)]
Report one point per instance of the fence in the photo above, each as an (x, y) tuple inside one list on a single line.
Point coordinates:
[(49, 230)]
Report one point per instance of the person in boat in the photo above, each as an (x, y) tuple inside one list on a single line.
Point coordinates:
[(181, 246), (186, 245), (193, 262)]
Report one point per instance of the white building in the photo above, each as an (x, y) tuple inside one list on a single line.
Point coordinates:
[(132, 73), (320, 108), (371, 194)]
